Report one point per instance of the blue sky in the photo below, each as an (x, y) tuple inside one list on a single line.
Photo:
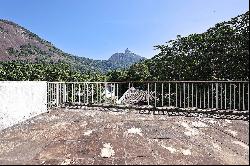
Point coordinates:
[(98, 28)]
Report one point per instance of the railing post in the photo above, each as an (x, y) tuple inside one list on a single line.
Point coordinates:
[(117, 92), (192, 95), (225, 96), (100, 101), (217, 95), (221, 96), (248, 96), (64, 92), (230, 96), (234, 97), (84, 93), (169, 94), (57, 94), (208, 96), (184, 95), (180, 95), (239, 96), (204, 97), (196, 96), (188, 95), (212, 95), (162, 97), (92, 93), (176, 95), (148, 94), (105, 97), (155, 94), (97, 86), (79, 95), (243, 97)]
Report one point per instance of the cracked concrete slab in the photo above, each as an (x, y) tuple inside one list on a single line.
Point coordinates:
[(103, 137)]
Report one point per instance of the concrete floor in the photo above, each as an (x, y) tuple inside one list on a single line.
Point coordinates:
[(105, 136)]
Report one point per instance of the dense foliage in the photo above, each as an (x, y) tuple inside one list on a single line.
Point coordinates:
[(221, 53), (16, 71)]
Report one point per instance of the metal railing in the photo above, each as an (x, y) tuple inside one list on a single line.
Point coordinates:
[(219, 95)]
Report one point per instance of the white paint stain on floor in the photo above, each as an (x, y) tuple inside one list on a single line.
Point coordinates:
[(107, 150), (88, 132), (186, 152), (171, 149), (134, 130), (66, 162), (199, 124), (190, 131)]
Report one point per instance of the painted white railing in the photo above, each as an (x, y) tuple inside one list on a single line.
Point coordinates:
[(219, 95)]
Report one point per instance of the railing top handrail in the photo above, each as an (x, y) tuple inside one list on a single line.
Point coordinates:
[(91, 82)]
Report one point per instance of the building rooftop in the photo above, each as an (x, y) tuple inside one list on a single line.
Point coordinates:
[(123, 136)]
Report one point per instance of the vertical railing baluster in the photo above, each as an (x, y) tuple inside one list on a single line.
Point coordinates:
[(248, 96), (64, 92), (84, 93), (243, 99), (48, 96), (192, 94), (230, 96), (155, 94), (100, 101), (180, 95), (200, 97), (217, 97), (169, 93), (92, 93), (234, 96), (57, 95), (148, 94), (196, 96), (111, 85), (162, 97), (97, 93), (225, 97), (239, 97), (221, 96), (204, 96), (87, 86), (72, 93), (113, 100), (212, 96), (117, 92), (184, 85), (208, 103), (51, 94), (79, 95), (176, 96), (188, 95)]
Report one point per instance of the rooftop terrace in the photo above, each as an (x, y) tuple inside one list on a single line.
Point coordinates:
[(124, 136)]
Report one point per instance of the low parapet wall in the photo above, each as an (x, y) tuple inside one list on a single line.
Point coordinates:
[(21, 100)]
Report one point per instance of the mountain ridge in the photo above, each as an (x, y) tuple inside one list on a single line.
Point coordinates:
[(19, 44)]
